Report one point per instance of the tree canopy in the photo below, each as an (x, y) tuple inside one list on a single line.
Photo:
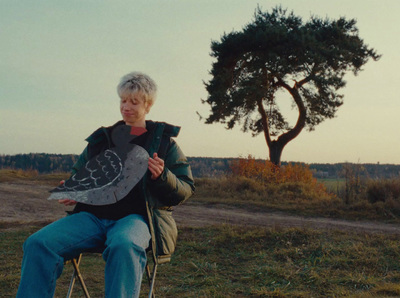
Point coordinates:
[(278, 51)]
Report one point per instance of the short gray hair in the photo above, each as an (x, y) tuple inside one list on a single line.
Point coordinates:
[(137, 82)]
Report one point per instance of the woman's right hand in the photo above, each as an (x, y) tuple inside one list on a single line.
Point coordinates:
[(66, 202)]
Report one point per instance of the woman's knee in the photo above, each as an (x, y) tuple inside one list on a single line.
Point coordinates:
[(124, 249), (126, 245), (38, 241), (34, 241)]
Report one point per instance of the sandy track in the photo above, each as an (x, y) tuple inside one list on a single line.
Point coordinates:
[(191, 215)]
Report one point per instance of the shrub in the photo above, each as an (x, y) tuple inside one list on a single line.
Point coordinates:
[(355, 184), (383, 190), (267, 173)]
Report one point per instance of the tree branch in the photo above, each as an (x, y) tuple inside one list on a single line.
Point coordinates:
[(308, 78), (301, 120), (264, 120)]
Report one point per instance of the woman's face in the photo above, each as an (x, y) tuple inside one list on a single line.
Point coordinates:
[(133, 110)]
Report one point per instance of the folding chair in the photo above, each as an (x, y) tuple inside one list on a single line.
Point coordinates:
[(150, 272)]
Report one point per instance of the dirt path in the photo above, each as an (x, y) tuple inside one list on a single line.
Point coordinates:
[(191, 215), (25, 203)]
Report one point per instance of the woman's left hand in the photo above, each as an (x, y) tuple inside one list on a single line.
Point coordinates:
[(156, 166)]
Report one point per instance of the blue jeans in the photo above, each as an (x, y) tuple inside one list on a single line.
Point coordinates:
[(126, 241)]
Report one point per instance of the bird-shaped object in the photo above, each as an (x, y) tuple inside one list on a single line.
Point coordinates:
[(109, 176)]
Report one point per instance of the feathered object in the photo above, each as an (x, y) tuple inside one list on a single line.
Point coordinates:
[(109, 176)]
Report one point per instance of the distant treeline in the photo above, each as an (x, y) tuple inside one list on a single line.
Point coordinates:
[(201, 166), (42, 162)]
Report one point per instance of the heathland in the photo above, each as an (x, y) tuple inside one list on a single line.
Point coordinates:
[(257, 231)]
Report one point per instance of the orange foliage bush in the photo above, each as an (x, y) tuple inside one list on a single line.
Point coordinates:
[(267, 172), (254, 169)]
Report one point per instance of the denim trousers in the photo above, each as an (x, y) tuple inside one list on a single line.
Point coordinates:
[(125, 241)]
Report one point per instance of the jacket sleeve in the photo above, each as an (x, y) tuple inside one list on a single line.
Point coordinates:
[(176, 184), (80, 163)]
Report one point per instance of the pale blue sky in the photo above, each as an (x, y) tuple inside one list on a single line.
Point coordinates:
[(60, 62)]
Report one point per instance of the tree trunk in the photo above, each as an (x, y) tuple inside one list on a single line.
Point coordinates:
[(275, 152), (276, 147)]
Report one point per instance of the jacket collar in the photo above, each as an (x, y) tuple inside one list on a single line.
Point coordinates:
[(169, 129), (105, 132)]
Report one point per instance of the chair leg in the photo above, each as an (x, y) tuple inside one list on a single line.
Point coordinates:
[(71, 285), (77, 274), (151, 276), (73, 277)]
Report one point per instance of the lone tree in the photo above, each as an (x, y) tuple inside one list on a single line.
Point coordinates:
[(277, 51)]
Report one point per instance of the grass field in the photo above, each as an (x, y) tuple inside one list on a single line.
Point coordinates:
[(228, 261), (238, 261)]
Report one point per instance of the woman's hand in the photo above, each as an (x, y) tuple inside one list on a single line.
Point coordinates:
[(66, 202), (156, 166)]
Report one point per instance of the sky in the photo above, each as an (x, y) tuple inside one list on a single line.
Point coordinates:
[(60, 63)]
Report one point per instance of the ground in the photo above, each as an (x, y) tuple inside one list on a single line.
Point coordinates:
[(25, 203)]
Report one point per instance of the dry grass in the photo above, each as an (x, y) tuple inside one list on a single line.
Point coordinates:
[(10, 175), (295, 198), (227, 261)]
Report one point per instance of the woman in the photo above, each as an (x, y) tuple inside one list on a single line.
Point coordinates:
[(126, 228)]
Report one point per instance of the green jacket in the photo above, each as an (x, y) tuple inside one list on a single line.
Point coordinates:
[(173, 187)]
